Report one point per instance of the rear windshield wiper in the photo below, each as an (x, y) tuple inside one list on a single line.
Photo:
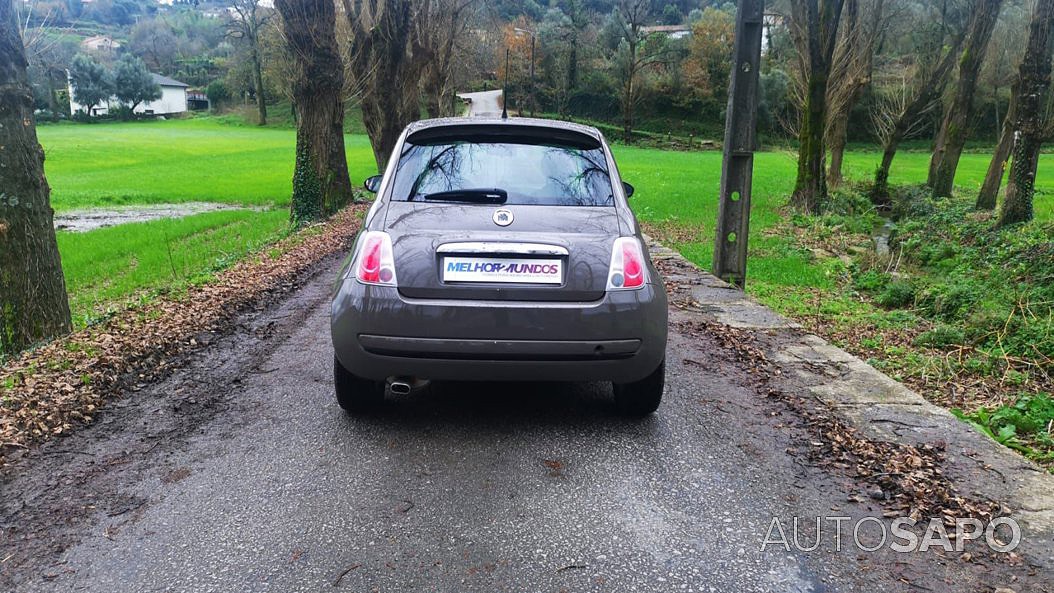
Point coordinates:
[(482, 196)]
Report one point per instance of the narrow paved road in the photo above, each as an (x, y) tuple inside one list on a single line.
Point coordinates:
[(239, 473), (483, 104)]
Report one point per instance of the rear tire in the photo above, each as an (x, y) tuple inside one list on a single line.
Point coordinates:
[(643, 397), (355, 394)]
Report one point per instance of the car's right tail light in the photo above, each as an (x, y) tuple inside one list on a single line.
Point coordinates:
[(375, 263), (628, 268)]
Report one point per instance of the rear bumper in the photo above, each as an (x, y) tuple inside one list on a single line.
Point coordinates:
[(378, 333)]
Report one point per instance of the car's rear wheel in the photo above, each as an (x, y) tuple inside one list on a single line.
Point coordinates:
[(643, 397), (355, 394)]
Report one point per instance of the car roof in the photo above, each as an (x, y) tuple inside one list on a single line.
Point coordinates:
[(512, 125)]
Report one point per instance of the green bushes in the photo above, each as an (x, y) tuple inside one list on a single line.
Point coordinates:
[(896, 294), (993, 287), (1024, 425)]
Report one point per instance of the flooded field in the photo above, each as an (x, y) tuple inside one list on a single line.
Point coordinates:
[(80, 221)]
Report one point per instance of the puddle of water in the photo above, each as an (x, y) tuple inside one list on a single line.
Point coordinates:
[(80, 221)]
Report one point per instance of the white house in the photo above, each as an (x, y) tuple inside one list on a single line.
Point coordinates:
[(173, 99), (100, 43), (670, 31)]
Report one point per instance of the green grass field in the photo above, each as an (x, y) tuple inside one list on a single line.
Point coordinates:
[(682, 187), (214, 160), (105, 266), (176, 161)]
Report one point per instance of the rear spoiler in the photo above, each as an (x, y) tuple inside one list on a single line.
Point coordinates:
[(505, 133)]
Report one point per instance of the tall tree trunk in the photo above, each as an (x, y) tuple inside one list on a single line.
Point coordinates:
[(839, 133), (810, 188), (627, 109), (989, 194), (33, 301), (858, 55), (955, 127), (880, 192), (388, 58), (320, 181), (254, 54), (261, 103), (817, 25), (1034, 80)]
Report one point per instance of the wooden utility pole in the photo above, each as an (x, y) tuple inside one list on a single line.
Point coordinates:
[(733, 212)]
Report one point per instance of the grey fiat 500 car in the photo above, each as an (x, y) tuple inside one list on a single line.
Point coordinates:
[(499, 250)]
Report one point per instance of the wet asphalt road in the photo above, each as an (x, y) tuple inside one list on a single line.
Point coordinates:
[(457, 487), (483, 103)]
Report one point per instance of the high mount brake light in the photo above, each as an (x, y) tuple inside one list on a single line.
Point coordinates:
[(627, 265), (375, 264)]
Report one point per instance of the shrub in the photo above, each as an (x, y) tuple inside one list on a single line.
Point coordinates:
[(899, 293), (941, 336), (871, 280)]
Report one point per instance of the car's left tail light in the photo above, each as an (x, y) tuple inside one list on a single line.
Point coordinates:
[(628, 268), (375, 263)]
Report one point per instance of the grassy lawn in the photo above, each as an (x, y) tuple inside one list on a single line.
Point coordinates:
[(201, 160), (104, 267), (197, 160), (681, 188)]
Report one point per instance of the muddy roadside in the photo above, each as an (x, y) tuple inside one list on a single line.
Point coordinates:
[(136, 433)]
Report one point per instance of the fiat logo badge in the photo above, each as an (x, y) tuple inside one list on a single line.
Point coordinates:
[(503, 217)]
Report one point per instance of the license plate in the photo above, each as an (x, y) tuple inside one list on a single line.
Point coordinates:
[(500, 269)]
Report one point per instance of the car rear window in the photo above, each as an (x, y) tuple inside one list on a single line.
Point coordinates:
[(530, 171)]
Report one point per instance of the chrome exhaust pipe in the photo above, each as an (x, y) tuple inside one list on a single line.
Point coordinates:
[(400, 387)]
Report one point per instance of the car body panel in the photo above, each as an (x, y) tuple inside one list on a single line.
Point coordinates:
[(430, 329), (419, 230)]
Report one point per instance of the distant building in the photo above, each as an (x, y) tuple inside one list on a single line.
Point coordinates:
[(173, 100), (670, 31), (100, 43)]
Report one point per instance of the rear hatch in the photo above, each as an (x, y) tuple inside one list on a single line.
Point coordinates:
[(458, 251)]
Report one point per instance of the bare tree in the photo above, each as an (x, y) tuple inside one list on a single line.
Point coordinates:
[(814, 28), (900, 119), (444, 37), (320, 179), (246, 20), (863, 25), (33, 301), (387, 60), (1029, 127), (47, 53), (636, 52), (957, 121)]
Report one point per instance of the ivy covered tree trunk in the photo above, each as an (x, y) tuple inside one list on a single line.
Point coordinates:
[(320, 180), (33, 302), (810, 188), (955, 127), (816, 29), (989, 194), (1034, 80)]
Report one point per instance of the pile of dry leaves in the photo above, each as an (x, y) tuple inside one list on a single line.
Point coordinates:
[(907, 478), (48, 391)]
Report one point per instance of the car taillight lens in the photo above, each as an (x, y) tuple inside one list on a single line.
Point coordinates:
[(375, 263), (627, 265)]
